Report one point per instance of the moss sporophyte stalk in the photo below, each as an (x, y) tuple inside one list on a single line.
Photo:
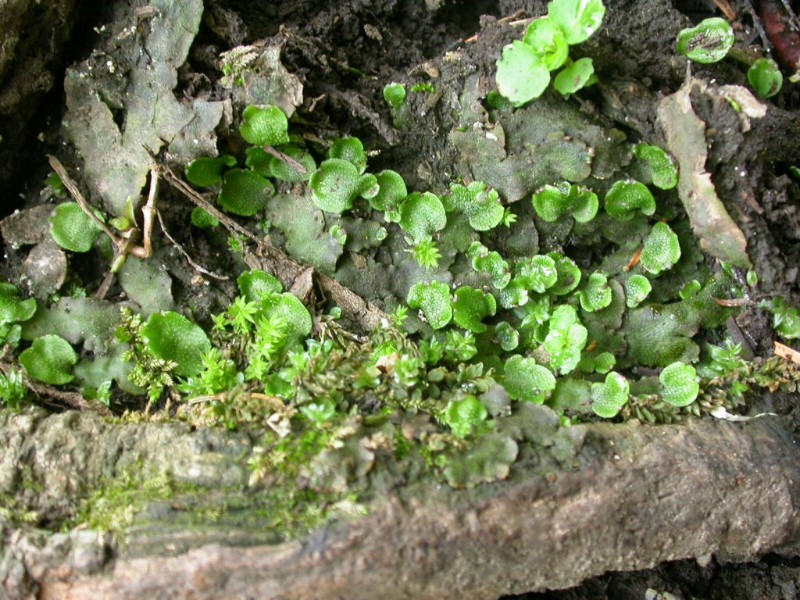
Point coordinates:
[(589, 296)]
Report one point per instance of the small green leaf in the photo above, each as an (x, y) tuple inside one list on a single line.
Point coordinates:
[(478, 202), (566, 339), (521, 73), (536, 273), (575, 77), (471, 306), (394, 94), (608, 398), (765, 78), (255, 284), (433, 299), (172, 337), (264, 126), (14, 309), (637, 288), (334, 185), (484, 261), (202, 220), (578, 19), (657, 166), (292, 311), (506, 336), (422, 215), (392, 190), (597, 293), (72, 229), (708, 42), (661, 249), (50, 359), (568, 274), (350, 149), (626, 197), (464, 416), (680, 384), (547, 39), (244, 193), (527, 381), (206, 171)]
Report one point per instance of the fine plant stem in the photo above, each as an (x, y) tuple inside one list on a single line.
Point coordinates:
[(285, 158), (185, 254), (76, 194)]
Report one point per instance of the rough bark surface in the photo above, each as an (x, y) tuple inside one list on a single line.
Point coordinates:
[(639, 496)]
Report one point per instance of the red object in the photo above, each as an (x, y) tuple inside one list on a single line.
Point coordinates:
[(784, 36)]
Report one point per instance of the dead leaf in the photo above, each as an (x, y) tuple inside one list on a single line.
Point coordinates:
[(685, 133)]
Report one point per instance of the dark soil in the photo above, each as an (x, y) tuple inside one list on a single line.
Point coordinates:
[(346, 52)]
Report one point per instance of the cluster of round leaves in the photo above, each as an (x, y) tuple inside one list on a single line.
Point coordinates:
[(711, 40), (246, 191), (523, 71)]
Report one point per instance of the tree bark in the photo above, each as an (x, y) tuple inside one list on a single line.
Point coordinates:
[(638, 496)]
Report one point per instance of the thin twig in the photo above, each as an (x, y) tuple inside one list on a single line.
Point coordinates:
[(198, 200), (61, 171), (285, 158), (195, 266)]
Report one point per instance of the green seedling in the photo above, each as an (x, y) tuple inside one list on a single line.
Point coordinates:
[(337, 183), (552, 202), (655, 166), (419, 88), (708, 42), (596, 295), (765, 78), (294, 164), (690, 290), (174, 338), (318, 413), (548, 42), (679, 384), (421, 215), (479, 203), (50, 359), (392, 191), (574, 77), (485, 261), (13, 392), (426, 253), (350, 149), (471, 306), (661, 249), (433, 299), (297, 322), (264, 126), (609, 397), (599, 363), (465, 417), (506, 336), (565, 340), (637, 288), (73, 229), (535, 316), (206, 171), (203, 220), (256, 284), (577, 19), (514, 294), (56, 185), (13, 311), (537, 273), (526, 380), (394, 94), (244, 193), (625, 198), (785, 319), (568, 274), (521, 73)]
